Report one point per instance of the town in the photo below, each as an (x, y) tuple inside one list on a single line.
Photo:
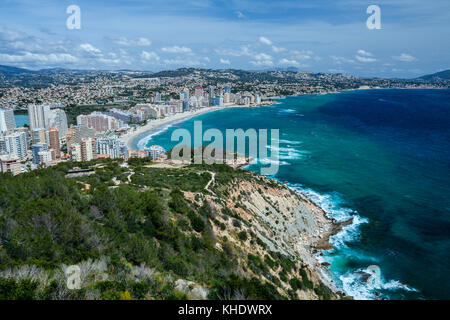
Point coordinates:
[(85, 115)]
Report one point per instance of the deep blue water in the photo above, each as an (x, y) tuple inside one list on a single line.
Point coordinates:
[(381, 156)]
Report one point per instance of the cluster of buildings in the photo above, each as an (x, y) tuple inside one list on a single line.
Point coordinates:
[(49, 140)]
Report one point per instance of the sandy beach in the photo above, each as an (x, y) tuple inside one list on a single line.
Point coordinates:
[(151, 125)]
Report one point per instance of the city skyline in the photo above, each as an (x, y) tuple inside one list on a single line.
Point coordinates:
[(317, 36)]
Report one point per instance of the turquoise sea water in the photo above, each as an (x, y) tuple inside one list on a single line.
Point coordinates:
[(381, 156), (21, 120)]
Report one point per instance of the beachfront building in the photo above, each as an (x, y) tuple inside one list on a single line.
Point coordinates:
[(217, 101), (108, 146), (98, 121)]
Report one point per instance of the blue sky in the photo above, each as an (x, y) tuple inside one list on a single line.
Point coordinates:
[(313, 35)]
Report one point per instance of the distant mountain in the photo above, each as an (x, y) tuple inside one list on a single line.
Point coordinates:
[(442, 75), (11, 70)]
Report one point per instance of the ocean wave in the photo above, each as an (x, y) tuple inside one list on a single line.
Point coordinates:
[(355, 285), (287, 110), (287, 153), (352, 282), (288, 142), (144, 140)]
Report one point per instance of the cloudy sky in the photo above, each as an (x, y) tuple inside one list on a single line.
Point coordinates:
[(313, 35)]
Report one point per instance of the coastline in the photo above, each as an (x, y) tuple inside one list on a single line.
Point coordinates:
[(130, 138)]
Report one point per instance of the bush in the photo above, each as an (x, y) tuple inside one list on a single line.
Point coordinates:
[(242, 235)]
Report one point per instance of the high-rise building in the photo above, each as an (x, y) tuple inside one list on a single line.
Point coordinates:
[(154, 151), (217, 101), (227, 88), (157, 97), (211, 91), (184, 95), (16, 144), (46, 156), (99, 122), (6, 120), (226, 97), (38, 116), (198, 92), (76, 152), (88, 149), (57, 118), (53, 135), (38, 135), (109, 146), (36, 149), (77, 133)]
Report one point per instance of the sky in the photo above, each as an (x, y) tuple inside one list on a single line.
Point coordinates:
[(153, 35)]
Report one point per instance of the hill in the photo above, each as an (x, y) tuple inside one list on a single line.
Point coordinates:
[(442, 75), (158, 231), (12, 70)]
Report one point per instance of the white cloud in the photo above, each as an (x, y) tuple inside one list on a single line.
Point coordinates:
[(288, 62), (303, 54), (109, 61), (140, 42), (182, 61), (404, 57), (364, 53), (149, 56), (365, 59), (90, 48), (240, 15), (143, 42), (364, 56), (176, 49), (341, 60), (244, 51), (262, 59), (265, 41), (39, 58), (278, 49), (224, 61)]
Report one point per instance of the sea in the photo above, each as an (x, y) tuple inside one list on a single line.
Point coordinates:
[(381, 157)]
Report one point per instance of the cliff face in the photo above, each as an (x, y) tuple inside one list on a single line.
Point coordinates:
[(286, 222)]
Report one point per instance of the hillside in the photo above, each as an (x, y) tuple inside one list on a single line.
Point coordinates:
[(158, 231), (442, 75), (12, 70)]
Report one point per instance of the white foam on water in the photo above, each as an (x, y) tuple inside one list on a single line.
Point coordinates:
[(287, 153), (354, 285), (352, 282), (288, 142), (287, 110), (142, 143)]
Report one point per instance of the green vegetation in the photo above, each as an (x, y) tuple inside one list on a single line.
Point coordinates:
[(134, 232)]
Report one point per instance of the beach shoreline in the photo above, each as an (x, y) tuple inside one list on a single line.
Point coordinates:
[(130, 137)]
